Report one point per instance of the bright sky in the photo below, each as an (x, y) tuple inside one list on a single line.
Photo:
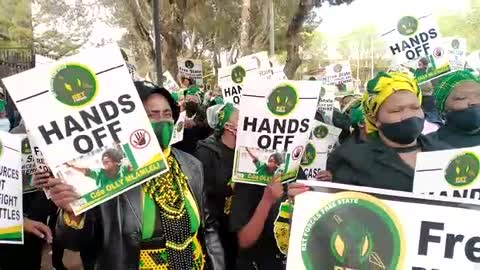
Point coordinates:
[(341, 20)]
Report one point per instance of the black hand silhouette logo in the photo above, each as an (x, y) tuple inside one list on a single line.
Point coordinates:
[(140, 138)]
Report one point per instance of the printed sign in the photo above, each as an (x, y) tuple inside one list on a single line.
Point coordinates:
[(326, 103), (232, 78), (11, 209), (263, 65), (416, 43), (348, 227), (105, 138), (192, 69), (340, 75), (169, 83), (273, 130), (457, 51), (179, 128), (322, 141), (452, 173), (28, 165)]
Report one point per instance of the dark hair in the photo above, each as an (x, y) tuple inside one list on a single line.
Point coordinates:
[(113, 154), (424, 61), (277, 157), (145, 89)]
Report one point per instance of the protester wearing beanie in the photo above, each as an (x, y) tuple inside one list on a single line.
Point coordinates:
[(458, 100)]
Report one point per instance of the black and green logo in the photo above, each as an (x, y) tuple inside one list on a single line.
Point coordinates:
[(179, 126), (323, 91), (337, 68), (238, 73), (407, 25), (320, 132), (353, 231), (309, 155), (74, 85), (462, 170), (282, 100), (455, 44), (189, 64)]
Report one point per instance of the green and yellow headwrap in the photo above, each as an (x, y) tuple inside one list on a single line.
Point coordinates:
[(446, 85), (175, 96), (382, 87), (194, 90), (224, 115), (357, 116)]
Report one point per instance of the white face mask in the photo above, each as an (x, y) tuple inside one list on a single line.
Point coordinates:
[(4, 125)]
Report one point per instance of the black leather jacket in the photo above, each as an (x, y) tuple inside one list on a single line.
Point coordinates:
[(114, 228)]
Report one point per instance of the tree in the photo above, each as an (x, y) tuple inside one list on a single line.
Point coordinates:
[(15, 23), (61, 27), (294, 42)]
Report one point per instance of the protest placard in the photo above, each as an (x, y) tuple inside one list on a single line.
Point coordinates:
[(340, 75), (232, 78), (348, 227), (457, 52), (11, 209), (191, 68), (169, 82), (179, 128), (322, 140), (28, 165), (90, 113), (326, 103), (416, 43), (264, 67), (452, 173), (273, 129)]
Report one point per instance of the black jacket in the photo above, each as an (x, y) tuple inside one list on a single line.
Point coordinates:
[(456, 138), (115, 227), (373, 164)]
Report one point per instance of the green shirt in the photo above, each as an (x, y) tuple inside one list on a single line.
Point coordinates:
[(262, 169), (101, 177)]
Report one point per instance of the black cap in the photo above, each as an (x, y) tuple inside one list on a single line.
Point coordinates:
[(145, 89)]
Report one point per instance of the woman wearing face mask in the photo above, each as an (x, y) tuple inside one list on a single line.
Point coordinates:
[(394, 120), (162, 224), (217, 154), (458, 100)]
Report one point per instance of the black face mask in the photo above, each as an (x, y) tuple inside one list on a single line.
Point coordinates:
[(403, 132), (191, 108), (467, 120)]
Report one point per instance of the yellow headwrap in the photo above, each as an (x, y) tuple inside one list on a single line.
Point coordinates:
[(382, 87)]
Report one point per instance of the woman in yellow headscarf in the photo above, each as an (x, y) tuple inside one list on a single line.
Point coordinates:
[(394, 121)]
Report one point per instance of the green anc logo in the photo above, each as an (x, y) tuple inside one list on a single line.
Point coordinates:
[(462, 170), (309, 155), (455, 44), (282, 100), (238, 73), (320, 132), (74, 85), (353, 231), (189, 64), (407, 25)]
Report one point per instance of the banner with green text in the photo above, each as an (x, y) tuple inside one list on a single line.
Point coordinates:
[(344, 227), (415, 43), (93, 130), (11, 197), (274, 127)]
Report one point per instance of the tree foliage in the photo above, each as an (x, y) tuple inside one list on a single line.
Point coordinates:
[(15, 23)]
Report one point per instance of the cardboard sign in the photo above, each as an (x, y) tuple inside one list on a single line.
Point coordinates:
[(232, 78), (262, 63), (349, 227), (90, 113), (192, 69), (28, 165), (274, 127), (179, 128), (452, 173), (457, 51), (322, 141), (340, 75), (169, 83), (11, 208), (416, 42)]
